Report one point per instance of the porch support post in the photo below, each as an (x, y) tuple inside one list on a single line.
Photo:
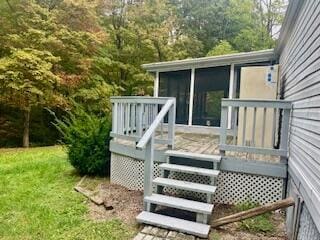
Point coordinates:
[(148, 171), (285, 133), (156, 85), (191, 96), (231, 93)]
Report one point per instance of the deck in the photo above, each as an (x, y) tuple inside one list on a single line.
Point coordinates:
[(143, 130), (202, 144), (187, 142)]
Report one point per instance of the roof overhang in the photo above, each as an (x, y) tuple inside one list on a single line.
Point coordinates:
[(204, 62)]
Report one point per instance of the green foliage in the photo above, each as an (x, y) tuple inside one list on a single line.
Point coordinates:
[(91, 50), (224, 47), (253, 39), (26, 78), (87, 139), (261, 223), (215, 236), (214, 20)]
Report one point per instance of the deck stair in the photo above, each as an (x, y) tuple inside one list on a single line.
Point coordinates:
[(203, 210)]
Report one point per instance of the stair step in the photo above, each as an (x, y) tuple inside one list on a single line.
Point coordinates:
[(180, 203), (191, 170), (194, 156), (176, 224), (189, 186)]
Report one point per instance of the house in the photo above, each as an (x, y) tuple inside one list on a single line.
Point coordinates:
[(228, 129)]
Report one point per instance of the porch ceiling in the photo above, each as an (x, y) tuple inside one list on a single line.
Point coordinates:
[(237, 58)]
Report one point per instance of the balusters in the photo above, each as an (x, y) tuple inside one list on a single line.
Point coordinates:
[(132, 118), (140, 117), (263, 126), (244, 124), (254, 126), (274, 121), (127, 118), (235, 119), (121, 119)]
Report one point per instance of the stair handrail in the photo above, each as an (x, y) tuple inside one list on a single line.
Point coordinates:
[(147, 142)]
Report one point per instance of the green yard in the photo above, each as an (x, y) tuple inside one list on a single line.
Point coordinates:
[(37, 200)]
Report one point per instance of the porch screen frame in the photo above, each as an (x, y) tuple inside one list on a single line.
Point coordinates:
[(232, 91)]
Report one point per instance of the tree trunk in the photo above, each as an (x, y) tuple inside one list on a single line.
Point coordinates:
[(26, 125)]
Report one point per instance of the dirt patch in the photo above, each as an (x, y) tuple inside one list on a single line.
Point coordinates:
[(119, 203), (125, 205)]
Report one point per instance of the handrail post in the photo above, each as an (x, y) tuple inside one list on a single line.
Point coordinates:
[(284, 132), (148, 170), (171, 125), (223, 127)]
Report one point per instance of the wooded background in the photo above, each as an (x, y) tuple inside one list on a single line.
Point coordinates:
[(55, 52)]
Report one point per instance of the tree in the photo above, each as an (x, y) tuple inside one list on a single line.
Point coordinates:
[(253, 39), (224, 47), (27, 80), (97, 47), (257, 21), (270, 14), (204, 19)]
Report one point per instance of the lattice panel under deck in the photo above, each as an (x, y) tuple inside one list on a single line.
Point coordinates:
[(238, 187), (232, 187), (128, 172)]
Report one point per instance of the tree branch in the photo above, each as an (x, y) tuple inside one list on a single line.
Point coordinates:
[(10, 6), (254, 212)]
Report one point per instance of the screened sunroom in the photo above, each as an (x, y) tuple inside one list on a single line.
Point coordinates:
[(199, 84)]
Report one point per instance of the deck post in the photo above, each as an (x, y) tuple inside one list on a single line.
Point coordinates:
[(148, 170), (171, 125), (114, 117), (232, 91), (191, 96), (284, 132), (223, 127), (156, 85)]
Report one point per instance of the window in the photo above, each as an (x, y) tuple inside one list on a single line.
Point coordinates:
[(211, 84)]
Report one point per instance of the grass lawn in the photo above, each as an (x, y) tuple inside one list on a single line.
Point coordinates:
[(37, 200)]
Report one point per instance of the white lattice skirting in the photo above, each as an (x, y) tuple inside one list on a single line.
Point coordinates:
[(232, 187)]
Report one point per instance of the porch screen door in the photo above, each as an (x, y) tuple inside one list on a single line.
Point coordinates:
[(177, 84)]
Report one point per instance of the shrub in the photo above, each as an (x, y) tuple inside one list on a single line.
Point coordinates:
[(86, 137), (261, 223)]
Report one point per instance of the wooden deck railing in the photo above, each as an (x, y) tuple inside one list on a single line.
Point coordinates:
[(138, 119), (257, 126), (133, 116)]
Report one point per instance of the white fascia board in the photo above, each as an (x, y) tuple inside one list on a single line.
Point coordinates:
[(204, 62)]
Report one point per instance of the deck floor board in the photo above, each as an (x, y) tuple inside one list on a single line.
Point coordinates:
[(202, 144)]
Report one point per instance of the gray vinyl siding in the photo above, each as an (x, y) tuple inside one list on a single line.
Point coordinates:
[(307, 229), (300, 76)]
